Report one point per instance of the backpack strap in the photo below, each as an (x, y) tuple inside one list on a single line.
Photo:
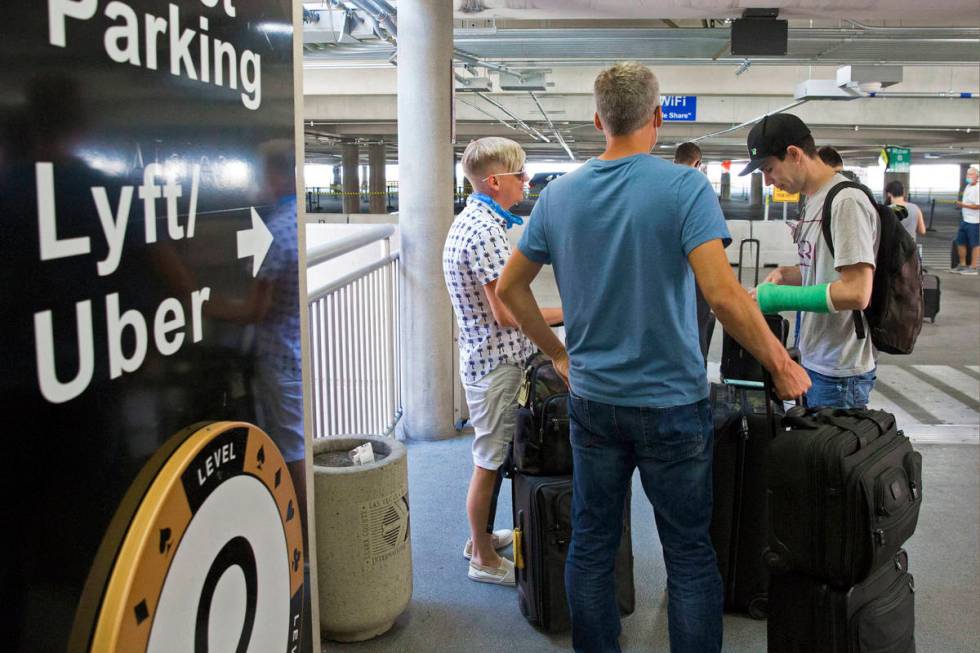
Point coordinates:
[(828, 237)]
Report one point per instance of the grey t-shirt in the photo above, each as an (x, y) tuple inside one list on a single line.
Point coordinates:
[(828, 344), (911, 221)]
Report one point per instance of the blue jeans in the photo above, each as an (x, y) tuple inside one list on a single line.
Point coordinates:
[(672, 448), (840, 391)]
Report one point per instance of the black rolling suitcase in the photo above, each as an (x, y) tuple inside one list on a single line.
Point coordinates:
[(845, 487), (743, 430), (930, 296), (541, 444), (876, 616), (542, 531)]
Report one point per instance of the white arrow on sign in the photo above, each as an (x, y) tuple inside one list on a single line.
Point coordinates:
[(255, 242)]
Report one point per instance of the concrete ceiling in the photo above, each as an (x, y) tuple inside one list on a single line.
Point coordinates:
[(905, 10), (687, 44)]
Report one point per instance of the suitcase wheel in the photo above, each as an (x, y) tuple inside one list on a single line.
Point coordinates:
[(759, 607)]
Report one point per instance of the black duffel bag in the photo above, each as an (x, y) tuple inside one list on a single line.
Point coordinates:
[(541, 444), (845, 488)]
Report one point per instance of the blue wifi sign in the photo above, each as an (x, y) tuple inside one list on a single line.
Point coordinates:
[(680, 108)]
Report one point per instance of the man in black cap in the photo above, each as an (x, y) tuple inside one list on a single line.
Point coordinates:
[(826, 287)]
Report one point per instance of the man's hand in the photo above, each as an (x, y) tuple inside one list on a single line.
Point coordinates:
[(790, 380), (561, 366), (776, 277)]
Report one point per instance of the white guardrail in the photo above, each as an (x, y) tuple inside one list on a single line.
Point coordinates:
[(354, 341)]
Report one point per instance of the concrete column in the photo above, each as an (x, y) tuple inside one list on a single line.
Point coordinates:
[(726, 186), (352, 184), (376, 157), (755, 190), (425, 43)]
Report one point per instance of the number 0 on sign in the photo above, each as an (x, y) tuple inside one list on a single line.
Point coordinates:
[(206, 552)]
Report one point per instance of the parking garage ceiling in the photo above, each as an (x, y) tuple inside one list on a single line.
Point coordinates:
[(937, 43), (905, 10)]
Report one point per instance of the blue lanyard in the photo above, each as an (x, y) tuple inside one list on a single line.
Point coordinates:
[(499, 210)]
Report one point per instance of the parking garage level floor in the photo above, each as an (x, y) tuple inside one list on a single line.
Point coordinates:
[(450, 613)]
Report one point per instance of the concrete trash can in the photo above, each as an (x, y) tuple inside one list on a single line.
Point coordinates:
[(363, 543)]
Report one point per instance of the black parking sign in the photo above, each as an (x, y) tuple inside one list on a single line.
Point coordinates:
[(151, 327)]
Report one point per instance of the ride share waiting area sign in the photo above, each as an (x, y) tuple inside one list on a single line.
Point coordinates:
[(151, 328)]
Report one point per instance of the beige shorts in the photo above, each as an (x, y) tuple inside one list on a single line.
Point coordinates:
[(493, 413)]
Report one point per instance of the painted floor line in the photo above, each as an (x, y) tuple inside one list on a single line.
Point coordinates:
[(943, 433), (954, 378), (920, 392), (881, 402)]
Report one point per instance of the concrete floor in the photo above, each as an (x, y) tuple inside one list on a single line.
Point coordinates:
[(449, 613), (934, 393)]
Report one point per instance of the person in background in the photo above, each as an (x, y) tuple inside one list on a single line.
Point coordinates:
[(913, 221), (969, 232), (492, 351), (832, 158), (624, 232), (689, 154)]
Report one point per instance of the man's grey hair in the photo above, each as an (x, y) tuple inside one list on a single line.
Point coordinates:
[(626, 96), (493, 154)]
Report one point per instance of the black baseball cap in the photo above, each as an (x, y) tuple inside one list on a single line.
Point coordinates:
[(771, 136)]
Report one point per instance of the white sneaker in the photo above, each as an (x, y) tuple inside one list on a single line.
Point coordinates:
[(970, 272), (501, 540), (502, 575)]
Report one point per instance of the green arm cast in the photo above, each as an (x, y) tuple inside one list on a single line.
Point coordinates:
[(774, 298)]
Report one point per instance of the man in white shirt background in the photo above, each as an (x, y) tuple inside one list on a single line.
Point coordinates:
[(969, 232)]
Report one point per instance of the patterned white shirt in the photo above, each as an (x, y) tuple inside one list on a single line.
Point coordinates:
[(474, 255)]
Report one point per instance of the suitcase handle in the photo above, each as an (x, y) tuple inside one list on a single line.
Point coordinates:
[(770, 390), (741, 248)]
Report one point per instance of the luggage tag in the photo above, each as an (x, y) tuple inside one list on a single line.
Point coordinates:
[(525, 391)]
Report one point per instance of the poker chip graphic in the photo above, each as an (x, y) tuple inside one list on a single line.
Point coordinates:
[(204, 554)]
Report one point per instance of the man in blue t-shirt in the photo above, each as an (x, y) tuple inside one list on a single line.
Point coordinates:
[(623, 233)]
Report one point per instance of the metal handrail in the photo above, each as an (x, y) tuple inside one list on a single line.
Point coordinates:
[(350, 277), (346, 244), (354, 340)]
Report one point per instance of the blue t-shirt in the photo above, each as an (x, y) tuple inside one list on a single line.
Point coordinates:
[(618, 234)]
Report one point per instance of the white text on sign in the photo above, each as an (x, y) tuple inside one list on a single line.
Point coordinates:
[(212, 463), (169, 320), (122, 44), (114, 222)]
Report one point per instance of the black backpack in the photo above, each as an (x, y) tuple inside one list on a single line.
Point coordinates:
[(541, 444), (896, 309)]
